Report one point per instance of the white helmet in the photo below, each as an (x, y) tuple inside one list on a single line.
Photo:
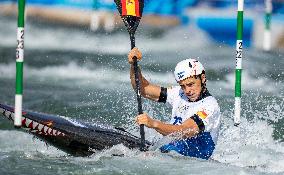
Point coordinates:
[(188, 68)]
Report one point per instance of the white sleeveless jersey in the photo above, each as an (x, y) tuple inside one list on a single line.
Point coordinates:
[(207, 110)]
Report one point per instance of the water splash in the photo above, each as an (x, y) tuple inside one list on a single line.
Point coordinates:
[(251, 145)]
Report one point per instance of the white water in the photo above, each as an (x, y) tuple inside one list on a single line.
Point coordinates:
[(104, 77), (253, 150), (20, 141), (118, 43)]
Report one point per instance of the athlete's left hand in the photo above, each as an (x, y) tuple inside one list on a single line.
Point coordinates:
[(135, 52), (145, 120)]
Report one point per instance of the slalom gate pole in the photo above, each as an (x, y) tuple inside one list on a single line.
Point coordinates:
[(267, 30), (239, 55), (19, 64)]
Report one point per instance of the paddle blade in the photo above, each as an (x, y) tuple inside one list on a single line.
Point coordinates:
[(130, 7)]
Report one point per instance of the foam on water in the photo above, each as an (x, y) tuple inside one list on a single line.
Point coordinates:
[(38, 37), (252, 144), (250, 82), (103, 77), (247, 149), (82, 74), (11, 141), (154, 162)]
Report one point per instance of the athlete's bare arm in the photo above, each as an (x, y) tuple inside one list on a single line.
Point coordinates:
[(148, 90), (187, 129)]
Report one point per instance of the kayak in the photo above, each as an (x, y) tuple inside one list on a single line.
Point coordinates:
[(72, 137)]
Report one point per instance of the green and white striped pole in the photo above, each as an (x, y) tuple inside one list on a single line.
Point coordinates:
[(239, 55), (19, 64), (267, 31)]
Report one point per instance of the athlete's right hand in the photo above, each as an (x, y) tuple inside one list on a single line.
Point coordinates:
[(135, 52), (145, 120)]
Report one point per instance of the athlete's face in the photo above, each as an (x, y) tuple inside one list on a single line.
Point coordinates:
[(192, 87)]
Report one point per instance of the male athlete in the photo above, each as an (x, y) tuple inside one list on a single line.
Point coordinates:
[(195, 113)]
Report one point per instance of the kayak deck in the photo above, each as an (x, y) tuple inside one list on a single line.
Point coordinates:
[(77, 139)]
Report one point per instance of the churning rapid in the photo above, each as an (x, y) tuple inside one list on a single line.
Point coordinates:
[(85, 76)]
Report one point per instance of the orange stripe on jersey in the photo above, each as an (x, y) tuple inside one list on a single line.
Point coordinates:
[(202, 114)]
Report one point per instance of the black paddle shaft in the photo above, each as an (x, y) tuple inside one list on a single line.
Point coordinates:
[(137, 80), (138, 92), (132, 23)]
